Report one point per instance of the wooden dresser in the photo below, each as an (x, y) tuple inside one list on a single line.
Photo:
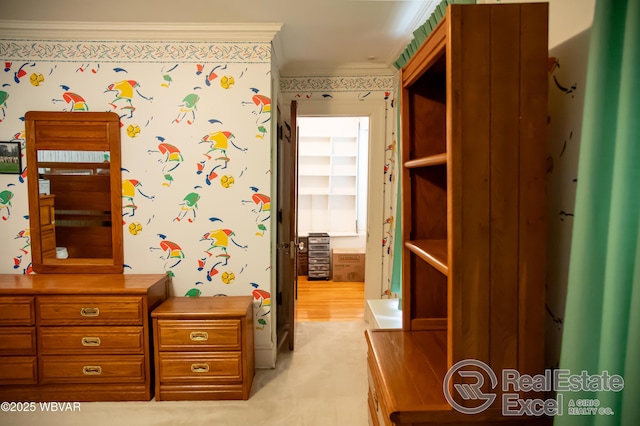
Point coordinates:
[(77, 337), (204, 348)]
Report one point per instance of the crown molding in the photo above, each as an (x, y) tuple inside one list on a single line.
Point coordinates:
[(347, 69), (138, 31)]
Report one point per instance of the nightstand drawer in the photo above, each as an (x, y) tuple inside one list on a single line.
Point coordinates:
[(80, 310), (186, 335), (92, 369), (199, 367), (17, 341), (91, 340), (18, 370), (17, 311)]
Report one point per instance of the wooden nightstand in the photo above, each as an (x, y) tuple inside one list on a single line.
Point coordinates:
[(204, 348)]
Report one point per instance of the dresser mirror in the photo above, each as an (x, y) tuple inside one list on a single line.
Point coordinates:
[(75, 191)]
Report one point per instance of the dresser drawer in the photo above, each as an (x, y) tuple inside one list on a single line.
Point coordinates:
[(17, 341), (91, 340), (92, 369), (379, 413), (18, 370), (200, 367), (16, 311), (188, 335), (106, 310)]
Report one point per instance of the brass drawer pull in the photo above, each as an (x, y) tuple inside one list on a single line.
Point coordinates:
[(92, 370), (199, 336), (90, 341), (199, 368), (89, 312)]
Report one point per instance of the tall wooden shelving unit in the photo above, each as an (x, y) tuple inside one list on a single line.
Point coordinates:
[(474, 110)]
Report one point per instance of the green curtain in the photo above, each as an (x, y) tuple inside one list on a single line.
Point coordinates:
[(396, 266), (602, 317)]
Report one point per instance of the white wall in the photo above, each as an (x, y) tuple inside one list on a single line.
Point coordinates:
[(566, 17)]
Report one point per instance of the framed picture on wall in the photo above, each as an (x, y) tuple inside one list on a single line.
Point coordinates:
[(10, 158)]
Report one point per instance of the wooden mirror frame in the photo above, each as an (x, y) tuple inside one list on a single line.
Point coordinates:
[(74, 131)]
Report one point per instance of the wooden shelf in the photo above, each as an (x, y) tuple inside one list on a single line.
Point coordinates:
[(473, 111), (434, 252), (429, 324), (432, 160)]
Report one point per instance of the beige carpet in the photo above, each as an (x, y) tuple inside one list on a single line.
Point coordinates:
[(323, 382)]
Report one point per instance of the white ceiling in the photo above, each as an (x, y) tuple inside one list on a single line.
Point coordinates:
[(312, 37)]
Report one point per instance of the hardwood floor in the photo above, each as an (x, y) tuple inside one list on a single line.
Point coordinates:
[(329, 301)]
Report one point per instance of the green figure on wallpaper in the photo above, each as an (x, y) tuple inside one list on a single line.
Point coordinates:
[(188, 205), (5, 203), (188, 106)]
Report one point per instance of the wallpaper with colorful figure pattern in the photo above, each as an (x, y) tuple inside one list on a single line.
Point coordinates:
[(196, 155)]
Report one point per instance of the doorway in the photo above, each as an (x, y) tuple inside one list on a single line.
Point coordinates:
[(358, 202)]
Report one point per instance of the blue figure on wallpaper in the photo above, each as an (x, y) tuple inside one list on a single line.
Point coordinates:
[(131, 187), (218, 145), (172, 159), (188, 206), (263, 111), (5, 203), (75, 101), (172, 254), (262, 209), (219, 243), (189, 105), (212, 75), (125, 91), (17, 76), (3, 104)]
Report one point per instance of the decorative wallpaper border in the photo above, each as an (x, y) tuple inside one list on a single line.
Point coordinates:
[(109, 51), (336, 84)]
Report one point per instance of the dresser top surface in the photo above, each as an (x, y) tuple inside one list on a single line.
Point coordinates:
[(413, 360), (203, 307), (80, 283)]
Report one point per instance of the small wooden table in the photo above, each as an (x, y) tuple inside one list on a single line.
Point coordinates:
[(204, 348)]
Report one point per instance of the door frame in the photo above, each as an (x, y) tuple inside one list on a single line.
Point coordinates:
[(375, 110)]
